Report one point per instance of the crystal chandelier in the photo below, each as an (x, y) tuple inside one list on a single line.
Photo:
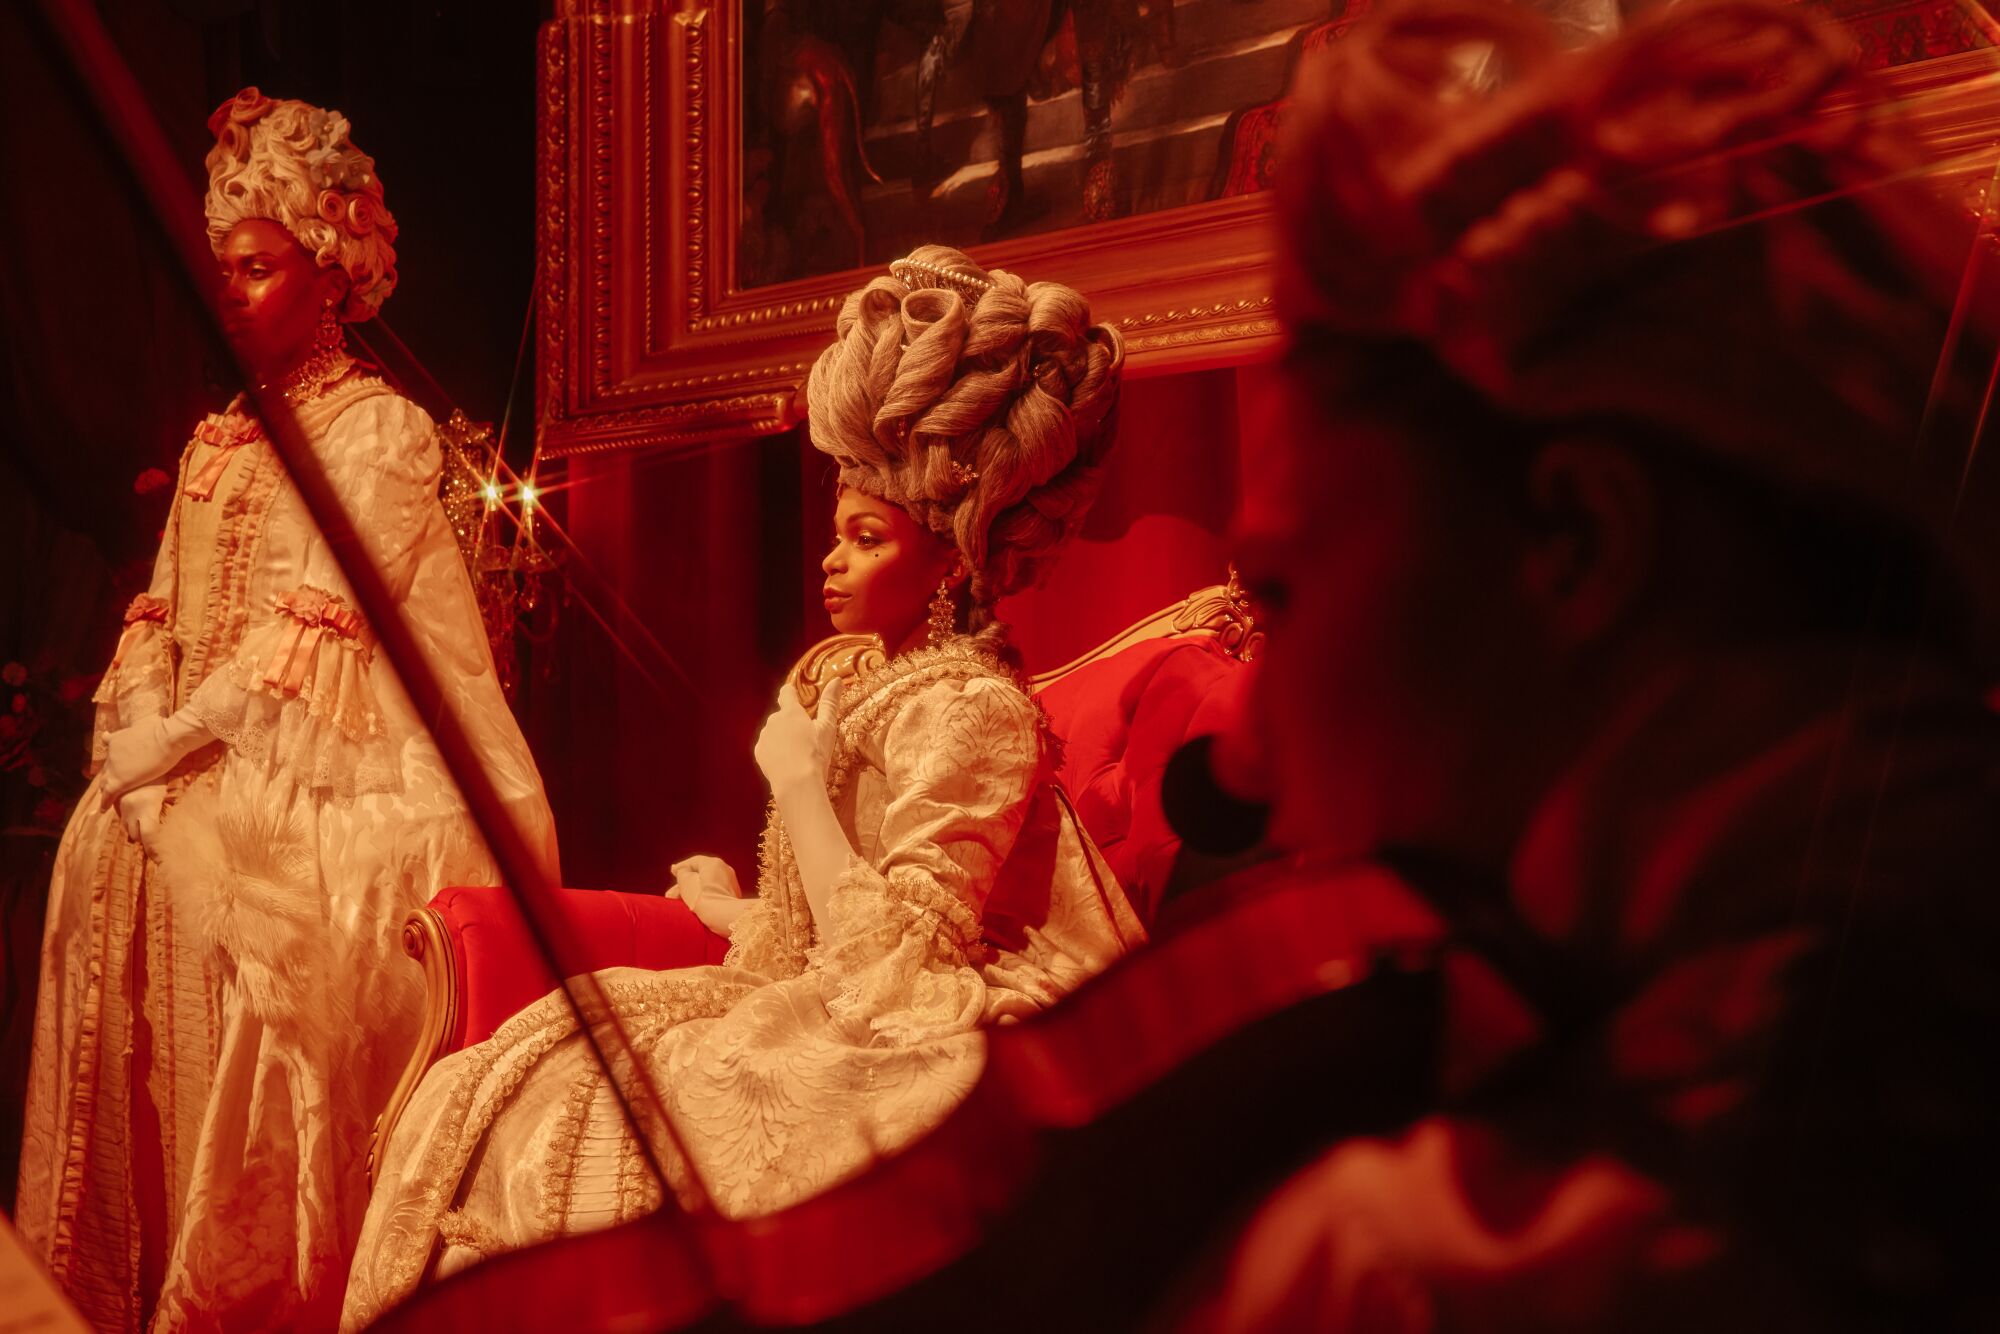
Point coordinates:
[(493, 514)]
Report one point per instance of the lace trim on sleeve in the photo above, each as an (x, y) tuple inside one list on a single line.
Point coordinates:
[(910, 901), (300, 697), (310, 615), (140, 677)]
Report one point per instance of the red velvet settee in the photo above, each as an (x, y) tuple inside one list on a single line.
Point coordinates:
[(1120, 710)]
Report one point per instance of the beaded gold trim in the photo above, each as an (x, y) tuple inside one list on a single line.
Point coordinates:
[(460, 1228), (565, 1145), (919, 276)]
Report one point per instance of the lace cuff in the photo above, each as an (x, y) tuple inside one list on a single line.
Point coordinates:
[(900, 957), (757, 942), (139, 681), (300, 696)]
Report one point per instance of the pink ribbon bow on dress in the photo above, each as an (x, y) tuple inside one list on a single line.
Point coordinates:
[(313, 612), (145, 610), (202, 485)]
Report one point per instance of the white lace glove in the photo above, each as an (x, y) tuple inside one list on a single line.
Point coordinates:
[(139, 812), (710, 889), (136, 755)]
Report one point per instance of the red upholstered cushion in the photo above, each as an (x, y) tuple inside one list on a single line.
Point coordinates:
[(500, 971), (1121, 719)]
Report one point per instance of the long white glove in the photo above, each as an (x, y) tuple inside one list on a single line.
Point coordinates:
[(139, 812), (136, 755), (793, 751), (709, 888)]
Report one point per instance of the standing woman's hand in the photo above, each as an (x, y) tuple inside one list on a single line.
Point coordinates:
[(147, 750), (795, 747), (139, 811)]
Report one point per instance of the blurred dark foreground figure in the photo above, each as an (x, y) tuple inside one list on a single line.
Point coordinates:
[(1630, 587)]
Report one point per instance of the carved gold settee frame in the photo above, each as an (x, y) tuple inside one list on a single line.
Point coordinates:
[(426, 940)]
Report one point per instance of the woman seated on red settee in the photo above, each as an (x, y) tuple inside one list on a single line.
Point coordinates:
[(921, 877)]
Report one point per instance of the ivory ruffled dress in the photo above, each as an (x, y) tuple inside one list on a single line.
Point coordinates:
[(219, 1025), (973, 897)]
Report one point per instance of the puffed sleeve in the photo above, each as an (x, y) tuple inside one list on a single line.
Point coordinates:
[(140, 680), (304, 692), (902, 944)]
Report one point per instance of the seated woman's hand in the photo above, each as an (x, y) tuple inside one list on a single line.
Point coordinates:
[(709, 888), (795, 746)]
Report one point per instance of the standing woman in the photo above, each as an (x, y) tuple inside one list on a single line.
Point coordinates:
[(222, 1009), (922, 877)]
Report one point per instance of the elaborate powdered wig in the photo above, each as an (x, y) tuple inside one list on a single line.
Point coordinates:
[(980, 403), (294, 164), (1711, 228)]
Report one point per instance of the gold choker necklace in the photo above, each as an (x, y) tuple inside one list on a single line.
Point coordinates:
[(313, 376)]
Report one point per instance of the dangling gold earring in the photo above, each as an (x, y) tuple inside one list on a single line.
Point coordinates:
[(944, 614), (327, 363), (327, 338)]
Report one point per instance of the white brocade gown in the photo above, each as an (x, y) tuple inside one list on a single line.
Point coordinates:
[(220, 1021), (973, 897)]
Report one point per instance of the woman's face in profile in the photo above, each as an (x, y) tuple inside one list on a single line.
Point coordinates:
[(272, 294), (882, 571)]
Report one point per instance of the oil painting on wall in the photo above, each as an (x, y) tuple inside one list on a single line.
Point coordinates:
[(871, 124)]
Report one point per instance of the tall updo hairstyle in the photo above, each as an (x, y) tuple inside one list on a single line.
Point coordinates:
[(981, 404), (295, 164)]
